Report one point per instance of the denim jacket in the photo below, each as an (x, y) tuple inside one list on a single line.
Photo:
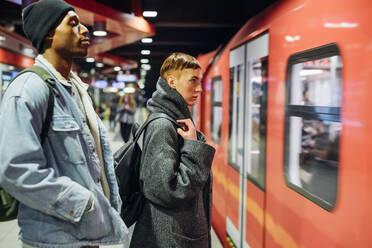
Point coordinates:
[(54, 182)]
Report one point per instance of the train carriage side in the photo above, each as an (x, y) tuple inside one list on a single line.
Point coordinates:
[(287, 111)]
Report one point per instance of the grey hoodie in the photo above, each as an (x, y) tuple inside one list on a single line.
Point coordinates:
[(176, 178)]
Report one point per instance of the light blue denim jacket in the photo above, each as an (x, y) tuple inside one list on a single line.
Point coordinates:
[(54, 182)]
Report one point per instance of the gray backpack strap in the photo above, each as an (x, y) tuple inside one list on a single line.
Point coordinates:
[(50, 82)]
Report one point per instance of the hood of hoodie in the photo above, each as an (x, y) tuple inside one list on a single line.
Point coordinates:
[(167, 100)]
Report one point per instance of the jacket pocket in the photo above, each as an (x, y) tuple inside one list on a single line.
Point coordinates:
[(65, 139), (180, 241), (96, 223)]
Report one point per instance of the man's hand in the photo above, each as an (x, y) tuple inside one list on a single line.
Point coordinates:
[(90, 205), (188, 130)]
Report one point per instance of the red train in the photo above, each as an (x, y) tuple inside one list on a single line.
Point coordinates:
[(286, 104)]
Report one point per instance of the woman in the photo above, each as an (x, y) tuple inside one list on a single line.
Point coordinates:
[(127, 107)]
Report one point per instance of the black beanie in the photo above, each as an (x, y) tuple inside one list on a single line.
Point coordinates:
[(40, 17)]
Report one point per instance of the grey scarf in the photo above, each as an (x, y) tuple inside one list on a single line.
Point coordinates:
[(167, 100)]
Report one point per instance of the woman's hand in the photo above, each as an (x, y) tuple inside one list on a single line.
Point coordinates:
[(188, 130)]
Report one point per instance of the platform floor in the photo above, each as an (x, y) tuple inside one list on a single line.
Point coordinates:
[(9, 237), (9, 230)]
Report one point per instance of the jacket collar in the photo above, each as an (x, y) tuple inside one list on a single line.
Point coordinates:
[(167, 100), (66, 82)]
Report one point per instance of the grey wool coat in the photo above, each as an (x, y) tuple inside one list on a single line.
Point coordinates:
[(176, 178)]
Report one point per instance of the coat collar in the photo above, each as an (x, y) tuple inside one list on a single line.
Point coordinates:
[(167, 100)]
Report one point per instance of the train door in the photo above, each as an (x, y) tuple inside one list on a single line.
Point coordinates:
[(247, 143)]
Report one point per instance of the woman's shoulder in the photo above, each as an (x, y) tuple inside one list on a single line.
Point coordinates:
[(161, 124)]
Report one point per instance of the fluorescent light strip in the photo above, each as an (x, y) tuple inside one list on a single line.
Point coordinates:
[(99, 33), (145, 52), (150, 13), (146, 40), (145, 61)]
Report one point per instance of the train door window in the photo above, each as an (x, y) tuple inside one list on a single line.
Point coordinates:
[(216, 113), (256, 117), (236, 120), (255, 113), (313, 123)]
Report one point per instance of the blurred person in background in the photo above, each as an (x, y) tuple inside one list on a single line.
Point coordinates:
[(127, 108), (113, 112)]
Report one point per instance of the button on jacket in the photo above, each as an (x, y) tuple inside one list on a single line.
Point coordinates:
[(54, 182)]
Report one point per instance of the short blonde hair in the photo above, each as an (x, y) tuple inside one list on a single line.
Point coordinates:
[(178, 61)]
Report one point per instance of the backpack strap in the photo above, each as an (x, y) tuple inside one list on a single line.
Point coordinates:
[(50, 82), (152, 117)]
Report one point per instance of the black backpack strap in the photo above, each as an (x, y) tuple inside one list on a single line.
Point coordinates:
[(152, 117), (50, 82)]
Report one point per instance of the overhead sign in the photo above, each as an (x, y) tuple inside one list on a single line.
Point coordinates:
[(101, 84), (6, 76), (118, 85), (126, 78)]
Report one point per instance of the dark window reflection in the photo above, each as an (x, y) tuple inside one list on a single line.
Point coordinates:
[(318, 158)]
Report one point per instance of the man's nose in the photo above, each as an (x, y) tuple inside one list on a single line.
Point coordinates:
[(83, 29)]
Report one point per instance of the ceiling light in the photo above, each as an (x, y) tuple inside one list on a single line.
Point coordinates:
[(145, 52), (150, 13), (99, 64), (89, 60), (110, 90), (129, 90), (99, 28), (117, 68), (310, 72), (292, 38), (145, 61), (2, 38), (341, 25), (146, 40), (99, 33), (84, 74), (146, 67)]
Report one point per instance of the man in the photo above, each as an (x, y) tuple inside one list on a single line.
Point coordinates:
[(66, 186), (175, 169)]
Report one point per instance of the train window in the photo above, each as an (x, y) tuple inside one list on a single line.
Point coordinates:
[(313, 124), (236, 116), (256, 117), (216, 113)]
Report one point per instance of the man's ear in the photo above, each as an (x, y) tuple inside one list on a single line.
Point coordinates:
[(50, 34), (171, 81), (48, 40)]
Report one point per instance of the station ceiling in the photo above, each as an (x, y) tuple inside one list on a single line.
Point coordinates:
[(192, 26)]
